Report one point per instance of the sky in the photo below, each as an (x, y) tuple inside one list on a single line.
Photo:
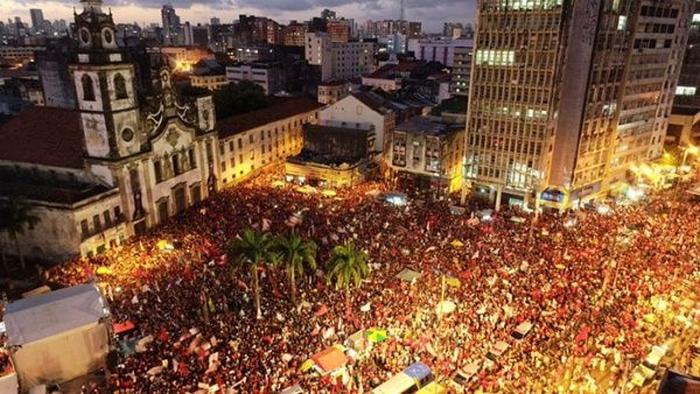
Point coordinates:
[(431, 12)]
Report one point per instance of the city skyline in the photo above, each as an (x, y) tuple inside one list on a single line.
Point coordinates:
[(202, 11)]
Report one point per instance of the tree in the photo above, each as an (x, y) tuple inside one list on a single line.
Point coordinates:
[(251, 250), (15, 219), (347, 266), (296, 254), (237, 98)]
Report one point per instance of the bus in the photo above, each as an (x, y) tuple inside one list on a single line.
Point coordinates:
[(412, 379)]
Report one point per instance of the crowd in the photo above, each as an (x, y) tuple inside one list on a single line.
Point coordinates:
[(585, 281)]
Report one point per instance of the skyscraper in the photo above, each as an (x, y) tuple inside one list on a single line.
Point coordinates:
[(565, 96), (37, 19), (171, 25)]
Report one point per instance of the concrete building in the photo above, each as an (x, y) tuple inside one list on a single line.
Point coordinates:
[(19, 55), (339, 30), (268, 75), (37, 16), (684, 128), (172, 30), (566, 111), (461, 70), (255, 140), (333, 157), (332, 91), (426, 153), (339, 60), (437, 50), (295, 34)]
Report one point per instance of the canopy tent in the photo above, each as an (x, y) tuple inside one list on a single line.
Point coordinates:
[(330, 359), (457, 243), (445, 307), (123, 327), (418, 371), (277, 183), (432, 388), (376, 335), (522, 330), (453, 282), (57, 336), (408, 275), (329, 193)]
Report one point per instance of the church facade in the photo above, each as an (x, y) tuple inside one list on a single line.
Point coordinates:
[(153, 156)]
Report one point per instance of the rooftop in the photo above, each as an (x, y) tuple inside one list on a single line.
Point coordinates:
[(279, 108), (46, 187), (428, 126), (44, 136)]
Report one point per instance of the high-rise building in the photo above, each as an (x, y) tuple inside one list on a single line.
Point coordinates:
[(339, 30), (339, 60), (564, 110), (214, 21), (37, 19), (328, 14), (684, 124), (453, 29), (461, 69), (171, 25), (294, 33)]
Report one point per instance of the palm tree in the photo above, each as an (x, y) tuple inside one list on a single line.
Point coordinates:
[(15, 219), (251, 250), (297, 254), (347, 266)]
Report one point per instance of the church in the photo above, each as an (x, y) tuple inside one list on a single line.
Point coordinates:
[(114, 166)]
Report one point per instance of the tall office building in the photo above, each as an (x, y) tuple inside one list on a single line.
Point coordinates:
[(566, 95), (37, 18), (171, 25)]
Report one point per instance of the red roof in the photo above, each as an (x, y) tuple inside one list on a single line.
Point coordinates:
[(280, 108), (45, 136)]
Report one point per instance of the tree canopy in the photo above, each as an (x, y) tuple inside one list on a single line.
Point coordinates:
[(237, 98)]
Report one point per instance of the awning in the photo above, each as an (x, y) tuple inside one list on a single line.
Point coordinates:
[(376, 335), (418, 371), (123, 327), (330, 359), (408, 275)]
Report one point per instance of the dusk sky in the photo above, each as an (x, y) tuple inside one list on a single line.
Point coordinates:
[(432, 13)]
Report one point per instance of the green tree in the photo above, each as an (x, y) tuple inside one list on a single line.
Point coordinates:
[(347, 267), (15, 219), (251, 250), (297, 254), (237, 98)]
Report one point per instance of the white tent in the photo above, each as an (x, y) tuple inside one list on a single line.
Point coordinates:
[(58, 336)]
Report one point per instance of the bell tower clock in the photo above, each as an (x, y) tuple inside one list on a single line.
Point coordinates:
[(105, 87)]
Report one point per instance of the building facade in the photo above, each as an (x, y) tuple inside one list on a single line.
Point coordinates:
[(268, 75), (339, 60), (437, 50), (567, 110), (255, 140), (461, 70), (427, 153)]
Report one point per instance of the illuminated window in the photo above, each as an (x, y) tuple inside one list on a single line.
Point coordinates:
[(685, 90), (696, 18), (495, 57), (621, 22)]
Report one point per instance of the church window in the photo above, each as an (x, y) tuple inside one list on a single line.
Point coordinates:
[(88, 88), (193, 159), (120, 87), (158, 170), (107, 34), (176, 164), (127, 134)]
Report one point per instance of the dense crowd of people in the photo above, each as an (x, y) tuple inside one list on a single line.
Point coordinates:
[(585, 280)]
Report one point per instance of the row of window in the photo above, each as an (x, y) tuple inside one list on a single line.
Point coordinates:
[(176, 165), (100, 222), (88, 85)]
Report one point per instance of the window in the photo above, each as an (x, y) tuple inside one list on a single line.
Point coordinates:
[(96, 223), (621, 22), (176, 164), (193, 158), (88, 88), (117, 213), (120, 87), (158, 170), (107, 218), (686, 90), (84, 229)]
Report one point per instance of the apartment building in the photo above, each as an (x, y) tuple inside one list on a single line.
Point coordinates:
[(268, 75), (561, 112), (437, 50), (339, 60)]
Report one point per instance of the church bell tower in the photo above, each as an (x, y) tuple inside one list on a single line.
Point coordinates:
[(105, 87)]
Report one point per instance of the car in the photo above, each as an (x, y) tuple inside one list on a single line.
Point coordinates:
[(497, 350), (460, 380)]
